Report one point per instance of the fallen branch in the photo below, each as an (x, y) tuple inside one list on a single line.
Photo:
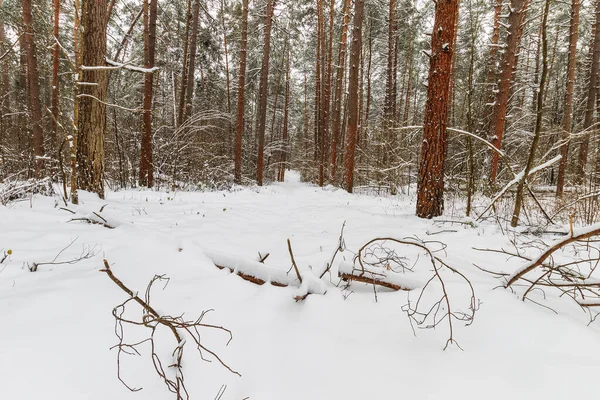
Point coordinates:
[(152, 320)]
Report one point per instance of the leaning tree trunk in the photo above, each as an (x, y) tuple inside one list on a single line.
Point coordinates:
[(91, 123), (516, 18), (263, 88), (184, 74), (538, 121), (355, 51), (239, 133), (146, 168), (566, 134), (430, 189), (588, 120), (35, 105)]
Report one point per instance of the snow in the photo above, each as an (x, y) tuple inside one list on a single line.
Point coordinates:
[(57, 327)]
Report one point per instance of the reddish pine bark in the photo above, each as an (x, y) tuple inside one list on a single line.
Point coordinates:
[(146, 168), (191, 69), (516, 18), (355, 51), (430, 189), (240, 99)]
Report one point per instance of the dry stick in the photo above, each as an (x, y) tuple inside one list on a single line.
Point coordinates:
[(293, 261), (165, 321), (339, 249), (540, 260)]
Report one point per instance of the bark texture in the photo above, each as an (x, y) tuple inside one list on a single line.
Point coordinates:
[(239, 133), (430, 189), (91, 121), (355, 51)]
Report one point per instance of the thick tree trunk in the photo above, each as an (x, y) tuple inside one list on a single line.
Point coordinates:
[(263, 88), (516, 18), (430, 189), (240, 98), (35, 105), (592, 94), (355, 51), (91, 122), (566, 134), (146, 167)]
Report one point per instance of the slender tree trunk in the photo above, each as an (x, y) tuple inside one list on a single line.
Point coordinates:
[(191, 69), (592, 94), (538, 121), (226, 57), (75, 134), (35, 106), (286, 140), (430, 189), (146, 166), (566, 134), (355, 51), (184, 68), (516, 18), (55, 82), (6, 120), (91, 122), (339, 84), (240, 98), (263, 89)]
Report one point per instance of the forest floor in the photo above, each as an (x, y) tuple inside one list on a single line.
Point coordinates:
[(56, 329)]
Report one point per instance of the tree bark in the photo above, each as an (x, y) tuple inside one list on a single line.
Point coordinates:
[(263, 88), (55, 82), (592, 94), (355, 52), (516, 18), (191, 69), (566, 134), (337, 100), (430, 189), (146, 168), (35, 106), (91, 122), (184, 69), (237, 177)]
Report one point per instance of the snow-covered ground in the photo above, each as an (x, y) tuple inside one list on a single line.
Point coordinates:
[(56, 326)]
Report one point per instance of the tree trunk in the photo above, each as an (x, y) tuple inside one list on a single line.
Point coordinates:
[(35, 106), (55, 82), (146, 167), (430, 189), (337, 99), (226, 57), (91, 123), (240, 99), (355, 51), (263, 88), (286, 140), (191, 69), (516, 18), (538, 121), (566, 134), (588, 120), (184, 73)]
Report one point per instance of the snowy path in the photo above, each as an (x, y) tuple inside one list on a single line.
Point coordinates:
[(57, 326)]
